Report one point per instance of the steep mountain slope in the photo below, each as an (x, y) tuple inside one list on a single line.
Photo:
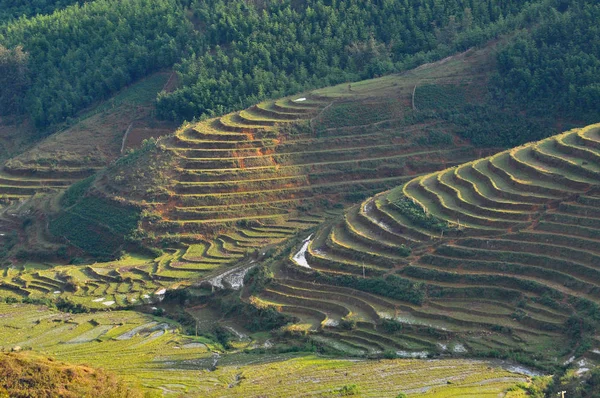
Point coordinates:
[(499, 255)]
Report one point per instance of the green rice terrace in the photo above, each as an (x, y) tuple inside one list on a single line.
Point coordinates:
[(222, 189), (219, 192), (242, 181), (498, 256), (278, 159)]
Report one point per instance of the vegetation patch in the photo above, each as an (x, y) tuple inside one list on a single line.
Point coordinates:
[(26, 375), (417, 215), (390, 286), (96, 225)]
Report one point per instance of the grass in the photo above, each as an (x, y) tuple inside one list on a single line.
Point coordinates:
[(125, 281), (18, 372), (331, 376), (136, 359)]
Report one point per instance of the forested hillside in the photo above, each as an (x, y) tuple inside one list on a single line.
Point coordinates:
[(556, 66), (12, 9), (284, 47), (84, 53)]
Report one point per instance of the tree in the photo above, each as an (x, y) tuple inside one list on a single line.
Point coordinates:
[(14, 79)]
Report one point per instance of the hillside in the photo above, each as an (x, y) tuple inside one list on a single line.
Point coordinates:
[(18, 372), (497, 257), (222, 190), (255, 177), (63, 56), (92, 140), (299, 198)]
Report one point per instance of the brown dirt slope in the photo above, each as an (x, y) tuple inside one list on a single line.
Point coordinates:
[(29, 376)]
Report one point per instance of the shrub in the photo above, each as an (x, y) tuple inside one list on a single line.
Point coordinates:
[(347, 324), (69, 306), (391, 325), (417, 215), (391, 286), (390, 354)]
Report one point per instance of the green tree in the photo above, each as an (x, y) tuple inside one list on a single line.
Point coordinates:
[(14, 79)]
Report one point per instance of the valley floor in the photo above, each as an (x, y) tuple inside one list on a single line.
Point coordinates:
[(151, 353)]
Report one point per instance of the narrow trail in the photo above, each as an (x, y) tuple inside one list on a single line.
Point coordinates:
[(125, 137)]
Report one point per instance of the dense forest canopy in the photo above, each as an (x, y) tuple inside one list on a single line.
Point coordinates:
[(14, 77), (84, 53), (284, 48), (241, 51), (11, 9), (556, 66)]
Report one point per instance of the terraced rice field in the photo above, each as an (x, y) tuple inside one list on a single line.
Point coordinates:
[(258, 176), (255, 177), (135, 279), (317, 377), (149, 352), (498, 252), (17, 184), (117, 284), (249, 166)]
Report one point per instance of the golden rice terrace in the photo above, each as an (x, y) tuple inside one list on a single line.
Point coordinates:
[(258, 176), (499, 255)]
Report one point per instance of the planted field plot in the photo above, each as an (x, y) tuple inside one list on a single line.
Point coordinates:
[(150, 353), (145, 351), (493, 255), (18, 184), (312, 376), (117, 284), (135, 280)]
